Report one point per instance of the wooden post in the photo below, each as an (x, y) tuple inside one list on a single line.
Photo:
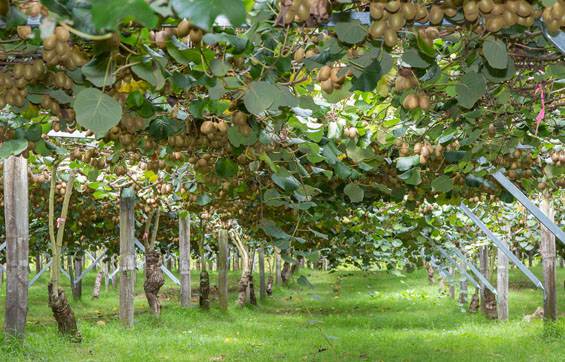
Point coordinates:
[(77, 266), (184, 260), (262, 284), (16, 204), (483, 265), (548, 254), (127, 256), (222, 258), (502, 283), (278, 280)]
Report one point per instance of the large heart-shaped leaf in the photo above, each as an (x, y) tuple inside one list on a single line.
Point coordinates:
[(97, 111), (203, 13), (472, 86)]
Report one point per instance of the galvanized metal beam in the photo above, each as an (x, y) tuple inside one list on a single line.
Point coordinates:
[(2, 246), (458, 266), (91, 266), (474, 269), (523, 199), (502, 247)]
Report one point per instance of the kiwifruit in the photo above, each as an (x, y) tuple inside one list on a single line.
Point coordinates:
[(335, 77), (327, 86), (324, 73), (62, 34), (510, 18), (34, 9), (221, 126), (392, 6), (436, 15), (19, 69), (409, 11), (421, 13), (390, 37), (410, 101), (24, 31), (183, 28), (552, 25), (494, 24), (196, 35), (303, 12), (396, 21), (377, 29), (450, 12), (497, 9), (239, 118), (558, 10), (401, 83), (486, 6), (423, 101), (311, 53), (524, 9), (207, 127), (376, 10), (299, 54), (423, 160), (38, 67)]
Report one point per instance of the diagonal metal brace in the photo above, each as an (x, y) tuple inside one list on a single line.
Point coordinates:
[(2, 246), (461, 269), (523, 199), (501, 246), (90, 267), (474, 269)]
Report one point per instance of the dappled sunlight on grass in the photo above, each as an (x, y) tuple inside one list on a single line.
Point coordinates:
[(346, 316)]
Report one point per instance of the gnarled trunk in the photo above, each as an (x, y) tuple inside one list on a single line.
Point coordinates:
[(474, 305), (153, 280), (286, 272), (204, 290), (270, 285), (63, 313), (490, 304)]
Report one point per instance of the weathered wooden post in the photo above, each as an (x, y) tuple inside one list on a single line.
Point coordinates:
[(502, 282), (16, 204), (483, 266), (184, 260), (262, 284), (463, 287), (548, 254), (223, 269), (127, 256)]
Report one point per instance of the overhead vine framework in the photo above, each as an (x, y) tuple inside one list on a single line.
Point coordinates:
[(297, 118)]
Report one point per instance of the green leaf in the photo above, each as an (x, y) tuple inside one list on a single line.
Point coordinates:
[(354, 192), (271, 228), (151, 73), (99, 72), (412, 176), (495, 52), (260, 96), (406, 163), (203, 13), (219, 68), (12, 148), (413, 58), (442, 183), (107, 14), (237, 138), (351, 32), (471, 87), (368, 80), (97, 111), (226, 168)]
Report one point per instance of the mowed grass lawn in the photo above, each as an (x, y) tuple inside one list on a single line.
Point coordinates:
[(345, 316)]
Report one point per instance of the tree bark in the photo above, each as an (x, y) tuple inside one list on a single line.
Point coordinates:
[(204, 290), (483, 266), (184, 261), (502, 283), (77, 267), (127, 256), (16, 218), (286, 272), (548, 253), (223, 269), (37, 263), (270, 285), (97, 285), (262, 283), (463, 288), (153, 280), (62, 312)]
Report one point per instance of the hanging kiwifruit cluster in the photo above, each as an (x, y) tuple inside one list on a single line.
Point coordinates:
[(416, 100), (239, 119), (350, 132), (405, 80), (302, 53), (201, 162), (14, 82), (185, 31), (331, 78), (426, 152), (58, 51), (554, 16), (310, 12), (216, 132), (391, 16)]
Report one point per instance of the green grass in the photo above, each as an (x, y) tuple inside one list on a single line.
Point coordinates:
[(372, 316)]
